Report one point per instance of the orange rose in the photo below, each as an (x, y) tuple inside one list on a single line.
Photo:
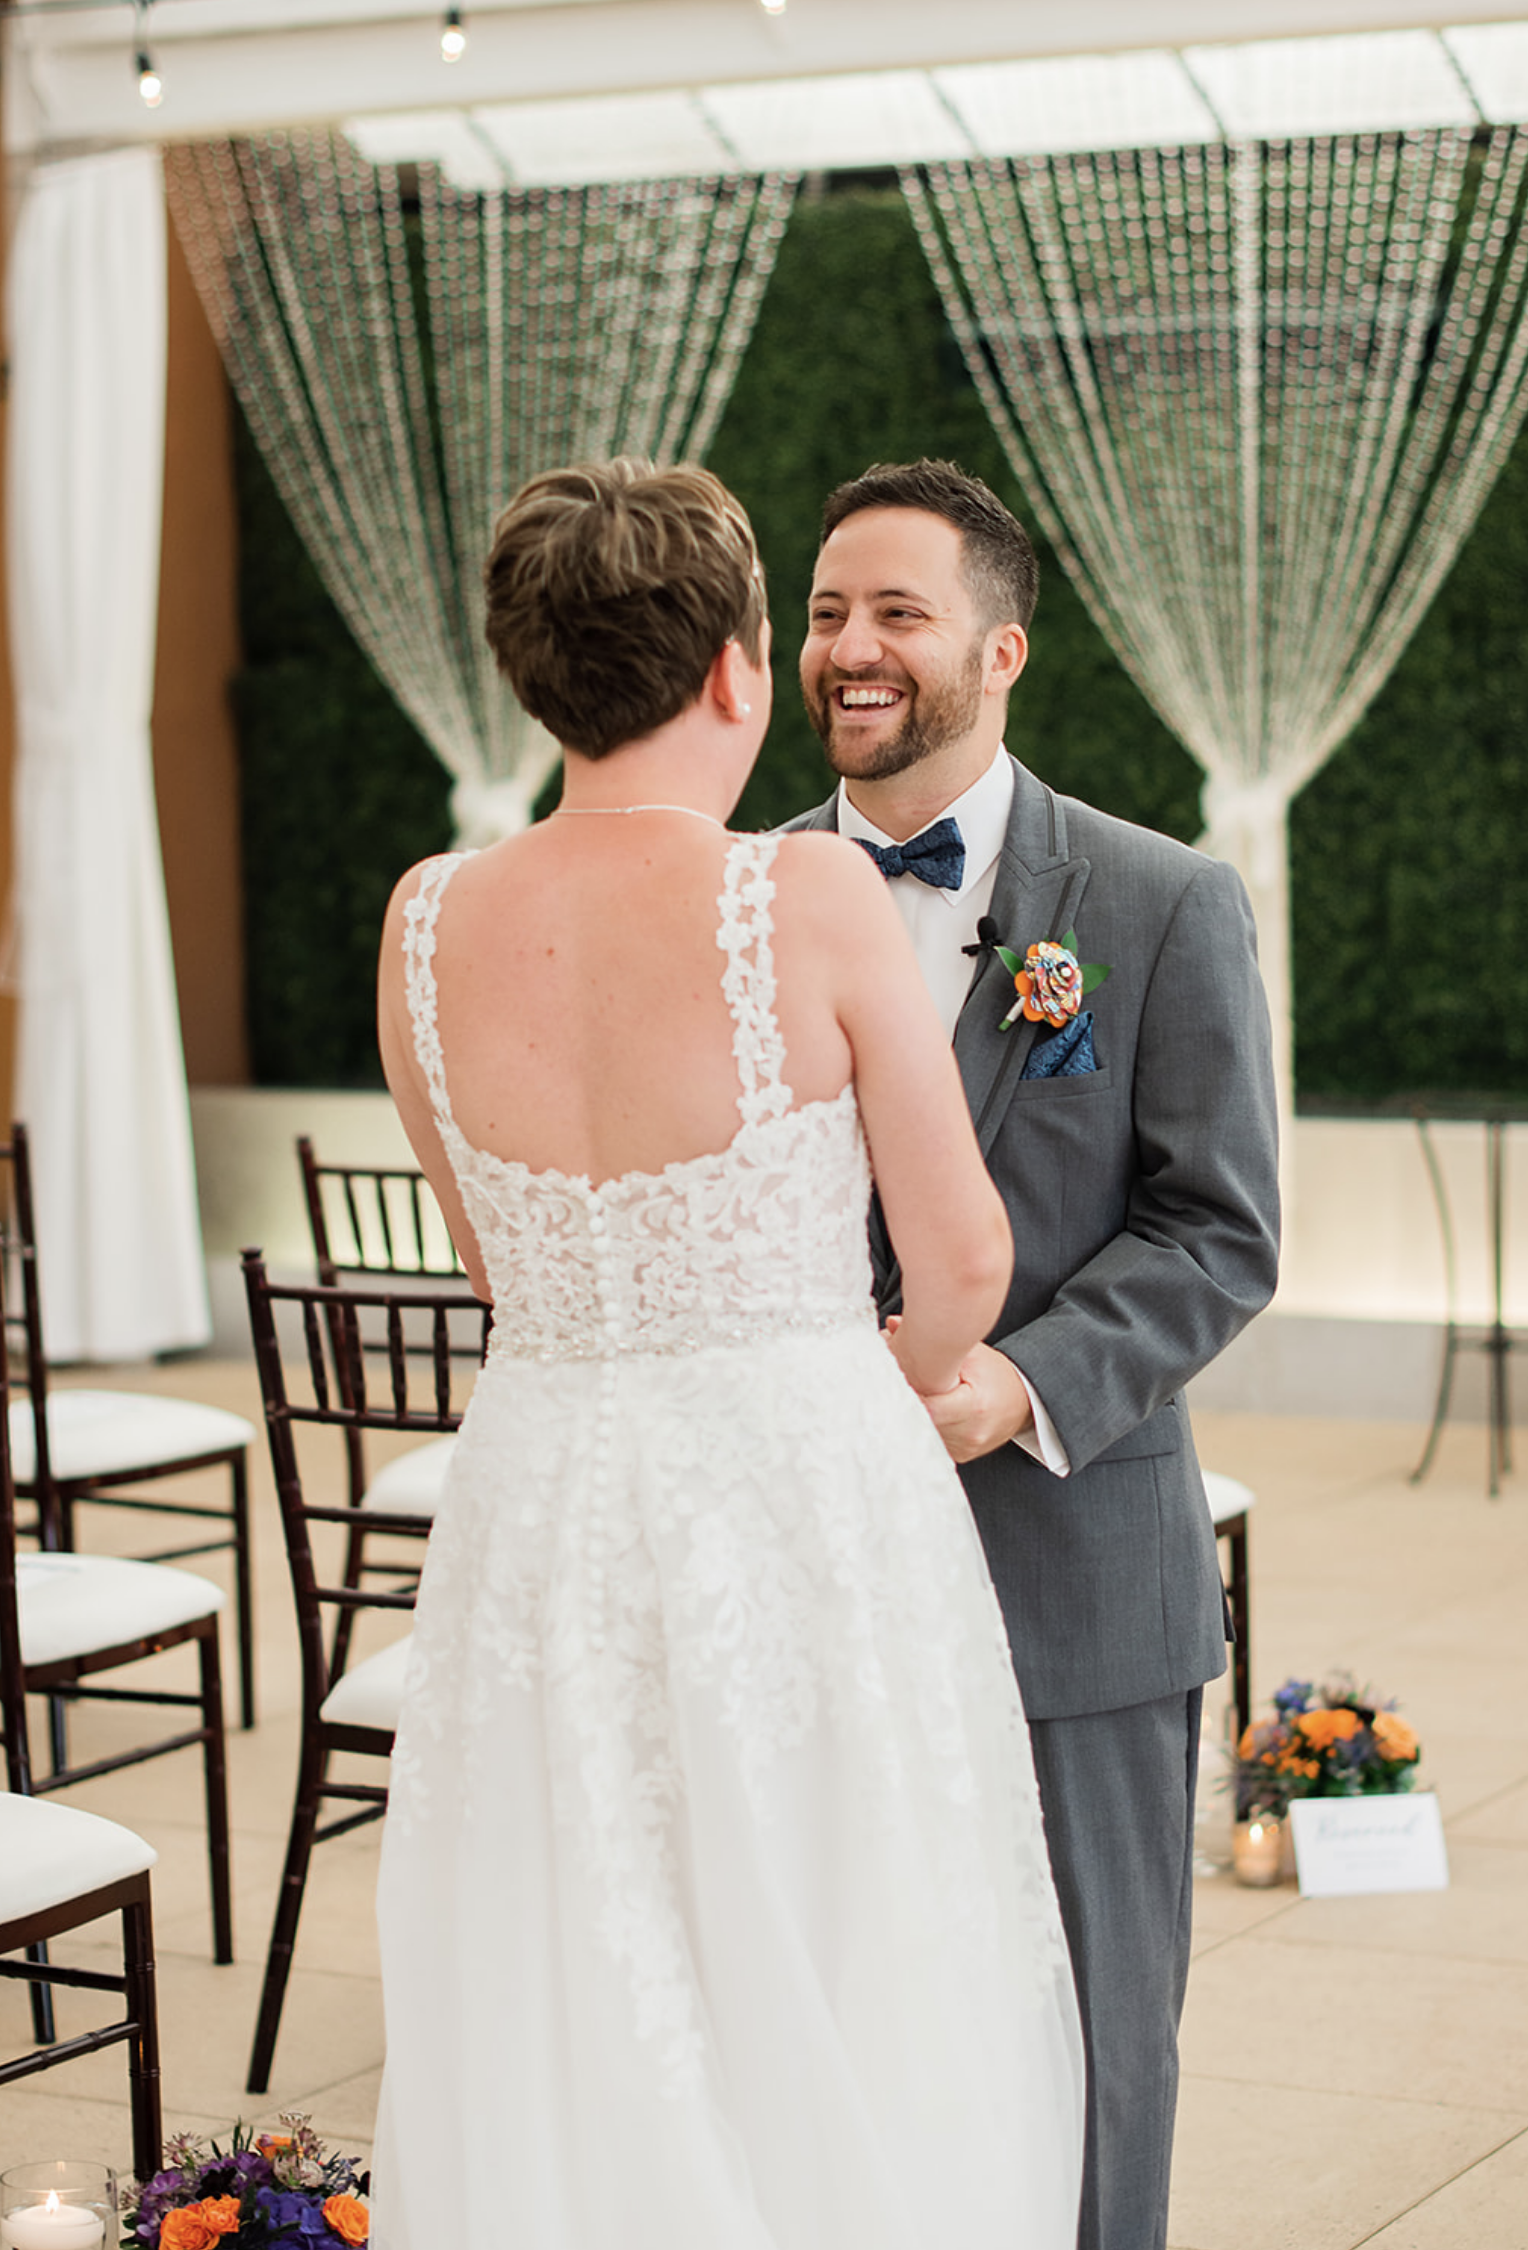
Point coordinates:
[(1322, 1728), (269, 2143), (1395, 1740), (197, 2226), (350, 2220), (185, 2229)]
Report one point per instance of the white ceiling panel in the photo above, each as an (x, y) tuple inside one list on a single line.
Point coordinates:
[(628, 137), (1078, 102), (1374, 82), (822, 124), (1494, 58), (429, 136)]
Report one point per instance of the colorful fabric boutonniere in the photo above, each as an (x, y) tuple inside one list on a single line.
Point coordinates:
[(1050, 981)]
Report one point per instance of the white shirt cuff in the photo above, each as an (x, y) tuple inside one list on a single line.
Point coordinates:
[(1040, 1440)]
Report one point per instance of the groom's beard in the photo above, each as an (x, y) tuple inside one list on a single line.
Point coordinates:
[(940, 712)]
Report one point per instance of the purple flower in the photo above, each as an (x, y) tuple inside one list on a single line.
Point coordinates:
[(292, 2217), (161, 2194)]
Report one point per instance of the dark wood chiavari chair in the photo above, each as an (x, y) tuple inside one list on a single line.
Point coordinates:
[(376, 1225), (368, 1360), (61, 1869), (74, 1448)]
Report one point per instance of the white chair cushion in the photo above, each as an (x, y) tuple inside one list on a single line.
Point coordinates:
[(1227, 1496), (72, 1605), (52, 1853), (410, 1486), (103, 1433), (369, 1694)]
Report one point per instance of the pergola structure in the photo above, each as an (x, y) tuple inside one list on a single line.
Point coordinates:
[(561, 93), (571, 83)]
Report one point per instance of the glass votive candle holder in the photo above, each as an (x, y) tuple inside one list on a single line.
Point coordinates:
[(1257, 1850), (58, 2206)]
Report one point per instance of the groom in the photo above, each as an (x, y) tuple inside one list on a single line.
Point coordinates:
[(1133, 1140)]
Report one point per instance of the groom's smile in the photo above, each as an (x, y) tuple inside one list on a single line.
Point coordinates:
[(865, 700)]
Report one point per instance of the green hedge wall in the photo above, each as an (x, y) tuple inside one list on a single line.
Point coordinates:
[(338, 795), (1404, 846), (1409, 852)]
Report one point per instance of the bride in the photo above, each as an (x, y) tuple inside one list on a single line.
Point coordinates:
[(715, 1910)]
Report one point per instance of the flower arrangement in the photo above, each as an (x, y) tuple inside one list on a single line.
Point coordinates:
[(280, 2191), (1332, 1741)]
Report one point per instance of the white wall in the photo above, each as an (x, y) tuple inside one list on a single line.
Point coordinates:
[(1355, 1328)]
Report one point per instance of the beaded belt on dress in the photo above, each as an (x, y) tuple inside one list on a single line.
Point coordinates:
[(673, 1341)]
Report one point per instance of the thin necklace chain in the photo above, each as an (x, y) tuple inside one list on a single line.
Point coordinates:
[(590, 812)]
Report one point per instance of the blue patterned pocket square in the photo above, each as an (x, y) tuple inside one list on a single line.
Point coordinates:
[(1066, 1054)]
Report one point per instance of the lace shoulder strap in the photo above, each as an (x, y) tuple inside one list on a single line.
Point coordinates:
[(419, 919), (748, 981)]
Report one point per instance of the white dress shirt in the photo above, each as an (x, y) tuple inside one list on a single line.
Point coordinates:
[(941, 922)]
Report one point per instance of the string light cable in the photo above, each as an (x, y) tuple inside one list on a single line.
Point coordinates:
[(150, 84), (453, 35)]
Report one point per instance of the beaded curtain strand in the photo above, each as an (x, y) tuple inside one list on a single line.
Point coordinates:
[(1256, 394), (403, 378)]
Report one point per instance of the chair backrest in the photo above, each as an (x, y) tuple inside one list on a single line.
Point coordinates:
[(374, 1219), (25, 1353), (13, 1714), (372, 1360)]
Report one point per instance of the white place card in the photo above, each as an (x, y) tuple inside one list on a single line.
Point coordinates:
[(1346, 1847)]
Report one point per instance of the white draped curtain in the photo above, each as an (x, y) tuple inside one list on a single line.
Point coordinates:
[(403, 375), (1256, 394), (100, 1078)]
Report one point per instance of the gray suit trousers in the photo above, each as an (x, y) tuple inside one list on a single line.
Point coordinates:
[(1117, 1789)]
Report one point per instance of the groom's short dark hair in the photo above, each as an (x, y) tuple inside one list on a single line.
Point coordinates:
[(996, 558), (612, 588)]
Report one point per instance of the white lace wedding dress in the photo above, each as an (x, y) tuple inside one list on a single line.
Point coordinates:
[(715, 1910)]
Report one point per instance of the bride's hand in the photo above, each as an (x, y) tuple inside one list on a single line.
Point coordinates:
[(889, 1332)]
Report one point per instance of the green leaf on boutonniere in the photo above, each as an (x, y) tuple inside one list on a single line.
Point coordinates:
[(1010, 961), (1093, 972)]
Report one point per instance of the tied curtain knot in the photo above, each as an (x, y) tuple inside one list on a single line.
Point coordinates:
[(1244, 822)]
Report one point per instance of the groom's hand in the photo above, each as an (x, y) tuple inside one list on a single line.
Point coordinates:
[(988, 1407)]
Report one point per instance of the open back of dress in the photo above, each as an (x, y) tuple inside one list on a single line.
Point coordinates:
[(714, 1904)]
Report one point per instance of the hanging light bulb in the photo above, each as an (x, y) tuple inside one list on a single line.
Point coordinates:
[(150, 84), (773, 7), (453, 37)]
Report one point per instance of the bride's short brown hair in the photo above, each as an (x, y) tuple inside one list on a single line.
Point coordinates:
[(612, 587)]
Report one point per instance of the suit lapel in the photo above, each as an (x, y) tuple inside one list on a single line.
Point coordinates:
[(1038, 891), (1036, 895)]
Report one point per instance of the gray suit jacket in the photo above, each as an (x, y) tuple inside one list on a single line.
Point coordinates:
[(1144, 1205)]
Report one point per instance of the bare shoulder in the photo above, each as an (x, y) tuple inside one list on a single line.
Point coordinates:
[(829, 880)]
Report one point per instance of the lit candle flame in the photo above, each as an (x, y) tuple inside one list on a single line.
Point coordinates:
[(52, 2203)]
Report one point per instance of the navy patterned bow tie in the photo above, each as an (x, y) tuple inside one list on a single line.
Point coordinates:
[(938, 856)]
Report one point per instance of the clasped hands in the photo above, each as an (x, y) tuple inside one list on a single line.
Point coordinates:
[(987, 1406)]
